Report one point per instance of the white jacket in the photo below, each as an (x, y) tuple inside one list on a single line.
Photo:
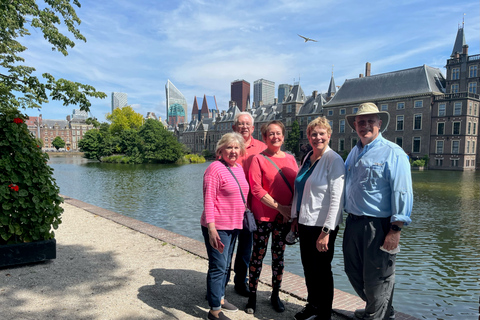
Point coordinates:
[(323, 195)]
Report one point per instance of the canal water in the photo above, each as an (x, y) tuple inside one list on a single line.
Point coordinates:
[(438, 268)]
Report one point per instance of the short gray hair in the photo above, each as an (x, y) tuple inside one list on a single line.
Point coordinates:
[(227, 139), (238, 115)]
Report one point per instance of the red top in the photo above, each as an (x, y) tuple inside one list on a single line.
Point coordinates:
[(264, 178), (255, 147)]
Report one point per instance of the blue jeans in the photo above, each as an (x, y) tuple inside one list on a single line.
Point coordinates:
[(218, 266)]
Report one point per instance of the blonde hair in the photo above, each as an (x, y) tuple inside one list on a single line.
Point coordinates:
[(321, 122), (227, 139)]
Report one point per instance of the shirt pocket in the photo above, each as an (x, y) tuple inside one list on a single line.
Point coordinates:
[(374, 177)]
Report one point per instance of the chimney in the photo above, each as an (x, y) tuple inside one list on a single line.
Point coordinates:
[(465, 49), (314, 94), (275, 101), (360, 75), (368, 67), (68, 118)]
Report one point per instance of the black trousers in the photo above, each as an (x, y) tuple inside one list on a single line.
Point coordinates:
[(317, 267)]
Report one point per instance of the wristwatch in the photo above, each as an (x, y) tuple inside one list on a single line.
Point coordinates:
[(326, 230), (394, 227)]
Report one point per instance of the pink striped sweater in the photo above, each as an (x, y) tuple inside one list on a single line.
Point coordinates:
[(222, 201)]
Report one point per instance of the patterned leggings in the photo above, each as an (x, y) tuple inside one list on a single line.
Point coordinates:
[(279, 231)]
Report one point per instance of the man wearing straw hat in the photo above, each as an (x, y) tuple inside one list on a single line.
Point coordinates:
[(378, 200)]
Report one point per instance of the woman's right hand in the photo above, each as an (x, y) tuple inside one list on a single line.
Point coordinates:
[(214, 238)]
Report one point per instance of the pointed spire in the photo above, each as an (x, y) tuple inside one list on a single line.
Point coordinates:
[(459, 41), (332, 89)]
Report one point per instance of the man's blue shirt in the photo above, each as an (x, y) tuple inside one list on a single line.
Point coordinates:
[(378, 181)]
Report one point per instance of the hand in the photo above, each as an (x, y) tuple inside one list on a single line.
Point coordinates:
[(285, 211), (322, 242), (391, 240), (214, 239)]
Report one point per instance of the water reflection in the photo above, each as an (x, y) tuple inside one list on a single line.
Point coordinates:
[(437, 270)]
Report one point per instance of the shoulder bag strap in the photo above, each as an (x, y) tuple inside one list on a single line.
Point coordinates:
[(239, 187), (279, 171)]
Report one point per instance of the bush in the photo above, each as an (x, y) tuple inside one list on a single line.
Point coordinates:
[(418, 163), (29, 196), (195, 158)]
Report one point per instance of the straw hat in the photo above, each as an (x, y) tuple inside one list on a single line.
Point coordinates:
[(369, 108)]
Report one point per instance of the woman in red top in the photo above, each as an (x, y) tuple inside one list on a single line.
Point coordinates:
[(271, 204)]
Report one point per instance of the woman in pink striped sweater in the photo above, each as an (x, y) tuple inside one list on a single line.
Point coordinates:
[(222, 218)]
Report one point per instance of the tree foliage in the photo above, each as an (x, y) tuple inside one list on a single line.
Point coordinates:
[(58, 142), (159, 145), (19, 87), (123, 119), (293, 140), (96, 143), (29, 197)]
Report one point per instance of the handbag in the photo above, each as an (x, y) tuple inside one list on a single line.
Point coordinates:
[(248, 217)]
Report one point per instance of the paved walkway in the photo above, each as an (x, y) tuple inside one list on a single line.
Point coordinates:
[(110, 266)]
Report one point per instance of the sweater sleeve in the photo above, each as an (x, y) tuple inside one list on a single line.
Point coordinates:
[(255, 178), (336, 181), (210, 190)]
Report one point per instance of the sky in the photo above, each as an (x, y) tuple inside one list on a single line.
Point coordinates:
[(202, 46)]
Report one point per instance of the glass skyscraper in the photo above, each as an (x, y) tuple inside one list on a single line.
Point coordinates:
[(119, 100), (176, 105), (263, 90)]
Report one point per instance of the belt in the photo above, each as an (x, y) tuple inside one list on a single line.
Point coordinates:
[(355, 217)]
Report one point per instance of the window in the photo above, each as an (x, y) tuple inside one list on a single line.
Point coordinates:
[(454, 88), (342, 126), (455, 146), (454, 162), (399, 141), (474, 128), (384, 107), (439, 147), (457, 109), (330, 112), (441, 128), (341, 145), (469, 128), (472, 87), (309, 119), (441, 109), (355, 110), (354, 142), (400, 105), (417, 122), (289, 108), (472, 71), (331, 124), (468, 146), (288, 121), (439, 162), (418, 104), (399, 123), (456, 128), (473, 146), (342, 111), (475, 109), (455, 73), (470, 105), (467, 163), (416, 144)]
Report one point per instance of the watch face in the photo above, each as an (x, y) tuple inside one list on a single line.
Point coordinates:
[(394, 227), (326, 230)]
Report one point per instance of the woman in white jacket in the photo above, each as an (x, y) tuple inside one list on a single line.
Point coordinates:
[(317, 211)]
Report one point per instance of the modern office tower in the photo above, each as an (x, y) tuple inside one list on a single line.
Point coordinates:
[(283, 91), (176, 105), (264, 91), (119, 100), (240, 94)]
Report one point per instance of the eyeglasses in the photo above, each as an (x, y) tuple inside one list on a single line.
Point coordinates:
[(244, 124)]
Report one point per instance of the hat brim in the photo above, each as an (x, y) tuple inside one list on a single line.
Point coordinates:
[(384, 116)]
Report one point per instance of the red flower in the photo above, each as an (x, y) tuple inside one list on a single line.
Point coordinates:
[(18, 120), (13, 187)]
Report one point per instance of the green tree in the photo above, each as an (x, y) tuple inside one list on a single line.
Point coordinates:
[(58, 142), (19, 88), (159, 145), (292, 143), (96, 144), (123, 119)]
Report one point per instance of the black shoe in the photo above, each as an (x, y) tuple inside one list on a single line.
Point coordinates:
[(251, 304), (228, 307), (242, 289), (309, 312), (276, 303)]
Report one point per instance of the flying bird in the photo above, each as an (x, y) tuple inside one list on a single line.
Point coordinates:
[(306, 39)]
